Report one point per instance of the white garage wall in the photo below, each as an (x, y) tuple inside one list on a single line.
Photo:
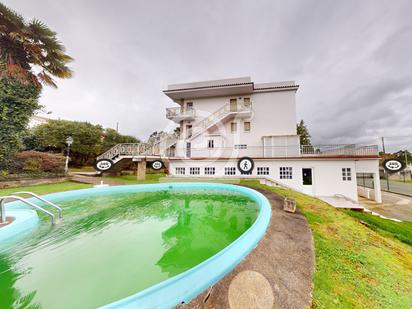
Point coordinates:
[(326, 174)]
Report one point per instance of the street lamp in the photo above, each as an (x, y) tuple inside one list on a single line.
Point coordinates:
[(69, 141)]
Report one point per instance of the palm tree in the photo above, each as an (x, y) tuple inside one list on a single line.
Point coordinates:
[(29, 51)]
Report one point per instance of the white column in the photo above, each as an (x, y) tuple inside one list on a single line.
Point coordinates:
[(377, 187)]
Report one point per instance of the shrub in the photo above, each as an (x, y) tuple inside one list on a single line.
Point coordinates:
[(35, 162)]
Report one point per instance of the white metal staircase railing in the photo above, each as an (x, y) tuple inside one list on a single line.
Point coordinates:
[(157, 148), (3, 200), (217, 116)]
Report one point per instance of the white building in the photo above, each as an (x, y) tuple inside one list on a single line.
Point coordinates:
[(37, 120), (222, 121)]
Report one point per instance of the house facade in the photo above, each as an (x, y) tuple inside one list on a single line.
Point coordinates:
[(223, 121), (235, 128)]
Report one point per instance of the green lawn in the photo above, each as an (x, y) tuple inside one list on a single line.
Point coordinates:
[(405, 181), (82, 169), (399, 230), (357, 266), (47, 188)]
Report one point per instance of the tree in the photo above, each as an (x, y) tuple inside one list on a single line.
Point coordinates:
[(156, 136), (111, 137), (303, 133), (30, 54), (30, 51), (51, 136), (404, 156), (17, 103)]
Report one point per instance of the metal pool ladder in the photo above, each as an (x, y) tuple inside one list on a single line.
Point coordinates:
[(31, 204)]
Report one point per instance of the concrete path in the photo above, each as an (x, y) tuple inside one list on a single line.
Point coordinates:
[(393, 206), (276, 274), (93, 180), (340, 202)]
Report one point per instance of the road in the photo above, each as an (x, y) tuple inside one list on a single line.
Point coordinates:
[(393, 206)]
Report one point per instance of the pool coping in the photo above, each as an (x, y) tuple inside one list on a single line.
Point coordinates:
[(185, 286)]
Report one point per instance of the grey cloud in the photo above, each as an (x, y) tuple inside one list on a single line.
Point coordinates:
[(351, 58)]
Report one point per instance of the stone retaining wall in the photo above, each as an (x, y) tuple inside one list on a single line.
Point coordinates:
[(30, 181)]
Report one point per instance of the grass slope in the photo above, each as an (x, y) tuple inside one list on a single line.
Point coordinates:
[(356, 267)]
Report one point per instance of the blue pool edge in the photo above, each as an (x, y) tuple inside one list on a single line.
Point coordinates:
[(185, 286)]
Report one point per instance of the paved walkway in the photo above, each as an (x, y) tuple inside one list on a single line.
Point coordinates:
[(93, 180), (393, 206), (276, 274)]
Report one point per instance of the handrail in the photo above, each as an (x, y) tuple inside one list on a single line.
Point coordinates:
[(19, 198), (43, 200), (216, 115)]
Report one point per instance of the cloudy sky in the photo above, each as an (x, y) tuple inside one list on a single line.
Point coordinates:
[(353, 59)]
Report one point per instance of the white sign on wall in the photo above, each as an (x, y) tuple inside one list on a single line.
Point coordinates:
[(245, 165)]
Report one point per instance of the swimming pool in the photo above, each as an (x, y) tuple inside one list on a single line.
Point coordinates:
[(146, 246)]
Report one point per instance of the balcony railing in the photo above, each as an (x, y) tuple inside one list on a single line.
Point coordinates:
[(174, 112), (282, 151)]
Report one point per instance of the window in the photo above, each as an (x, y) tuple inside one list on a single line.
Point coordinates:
[(230, 170), (263, 170), (180, 170), (246, 126), (189, 105), (233, 127), (285, 172), (240, 146), (233, 105), (209, 170), (189, 131), (194, 171), (346, 174), (210, 143)]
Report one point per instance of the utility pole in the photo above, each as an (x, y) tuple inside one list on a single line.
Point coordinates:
[(385, 171), (117, 127)]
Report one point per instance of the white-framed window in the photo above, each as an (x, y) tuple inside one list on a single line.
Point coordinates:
[(210, 143), (240, 146), (263, 170), (180, 170), (230, 170), (209, 170), (346, 174), (246, 126), (233, 127), (285, 172), (194, 171)]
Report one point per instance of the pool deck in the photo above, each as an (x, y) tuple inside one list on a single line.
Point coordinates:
[(276, 274)]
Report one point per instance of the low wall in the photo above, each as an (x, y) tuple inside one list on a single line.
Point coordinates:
[(30, 181)]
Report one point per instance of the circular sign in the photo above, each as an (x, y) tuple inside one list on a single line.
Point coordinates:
[(157, 165), (393, 165), (103, 165), (245, 165)]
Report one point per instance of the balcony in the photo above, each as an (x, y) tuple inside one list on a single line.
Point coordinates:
[(296, 151), (177, 114)]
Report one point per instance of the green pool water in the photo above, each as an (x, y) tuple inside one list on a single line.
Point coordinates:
[(112, 246)]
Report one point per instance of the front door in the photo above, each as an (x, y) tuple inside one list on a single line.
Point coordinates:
[(307, 181), (233, 105)]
